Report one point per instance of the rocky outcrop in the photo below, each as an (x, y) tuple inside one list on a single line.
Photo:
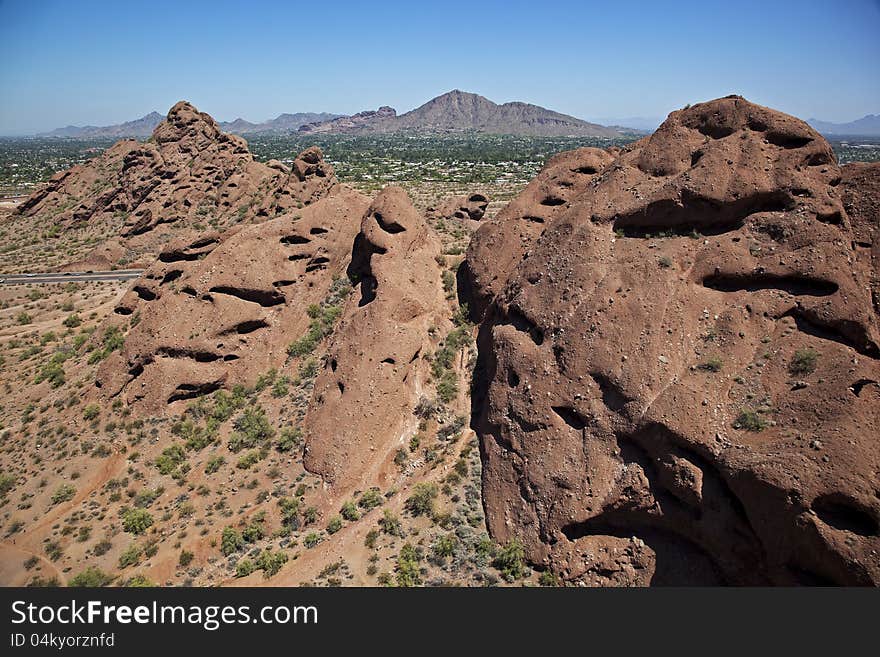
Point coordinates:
[(187, 177), (376, 368), (220, 310), (678, 361), (504, 241), (860, 188), (468, 206)]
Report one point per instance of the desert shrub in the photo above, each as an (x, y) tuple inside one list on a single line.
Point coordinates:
[(91, 411), (334, 525), (248, 460), (131, 556), (408, 568), (421, 502), (136, 521), (713, 364), (547, 578), (64, 493), (72, 321), (185, 558), (244, 568), (170, 458), (7, 483), (749, 420), (323, 319), (289, 439), (214, 464), (311, 539), (252, 429), (390, 524), (370, 499), (231, 541), (510, 559), (289, 511), (444, 546), (90, 577), (803, 361), (270, 562), (349, 511)]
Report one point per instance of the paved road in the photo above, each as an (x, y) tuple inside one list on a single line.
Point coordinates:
[(66, 277)]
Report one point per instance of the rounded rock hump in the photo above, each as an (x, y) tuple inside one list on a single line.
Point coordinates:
[(676, 367), (364, 396)]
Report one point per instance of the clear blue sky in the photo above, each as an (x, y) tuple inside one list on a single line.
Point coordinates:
[(102, 62)]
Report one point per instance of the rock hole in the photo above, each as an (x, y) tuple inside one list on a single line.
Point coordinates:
[(144, 293), (571, 417), (512, 377), (172, 275), (833, 218), (859, 385), (295, 239), (842, 512), (787, 140), (264, 298), (796, 285), (553, 201), (388, 226)]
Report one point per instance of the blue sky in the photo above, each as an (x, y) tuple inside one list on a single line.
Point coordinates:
[(101, 62)]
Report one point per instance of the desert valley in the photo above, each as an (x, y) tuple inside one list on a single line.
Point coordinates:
[(646, 359)]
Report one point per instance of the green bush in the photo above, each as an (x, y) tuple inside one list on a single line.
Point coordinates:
[(91, 577), (91, 411), (185, 558), (136, 521), (289, 439), (170, 458), (408, 568), (334, 525), (511, 561), (749, 420), (370, 499), (231, 541), (64, 493), (803, 362), (445, 545), (252, 429), (131, 556), (421, 502), (349, 511)]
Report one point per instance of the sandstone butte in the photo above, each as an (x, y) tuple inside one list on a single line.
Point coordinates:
[(645, 409)]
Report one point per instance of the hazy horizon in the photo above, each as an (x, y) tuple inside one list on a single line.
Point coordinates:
[(102, 63)]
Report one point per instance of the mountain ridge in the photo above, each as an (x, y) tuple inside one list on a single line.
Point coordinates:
[(460, 111)]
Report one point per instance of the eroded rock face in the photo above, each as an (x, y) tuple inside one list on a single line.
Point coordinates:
[(220, 310), (861, 198), (361, 410), (505, 240), (701, 284), (189, 174), (468, 206)]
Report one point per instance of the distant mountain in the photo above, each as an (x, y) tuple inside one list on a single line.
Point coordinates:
[(637, 123), (867, 126), (458, 111), (142, 127), (353, 123), (283, 123)]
